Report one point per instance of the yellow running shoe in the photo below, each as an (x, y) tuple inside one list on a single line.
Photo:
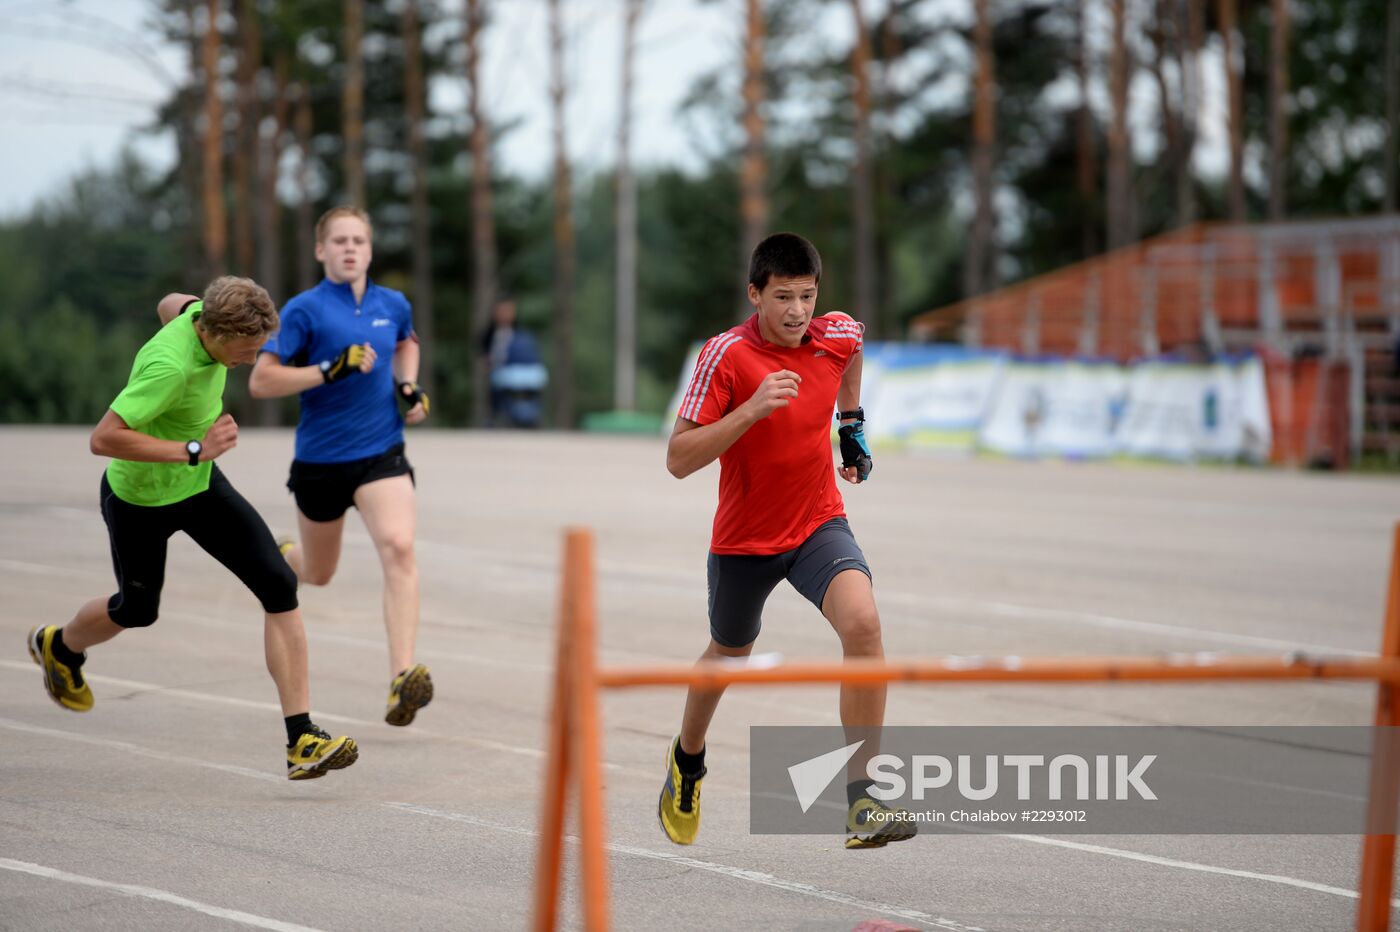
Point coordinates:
[(316, 753), (871, 824), (65, 684), (679, 806), (411, 690)]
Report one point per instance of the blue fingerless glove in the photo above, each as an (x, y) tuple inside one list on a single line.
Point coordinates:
[(854, 450)]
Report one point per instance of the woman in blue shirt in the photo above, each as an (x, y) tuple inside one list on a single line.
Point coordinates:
[(349, 440)]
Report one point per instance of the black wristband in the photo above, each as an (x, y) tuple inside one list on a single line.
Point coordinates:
[(858, 414), (186, 306)]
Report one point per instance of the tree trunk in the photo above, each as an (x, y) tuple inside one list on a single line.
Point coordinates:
[(1234, 81), (1166, 46), (563, 380), (415, 104), (625, 325), (884, 170), (1392, 107), (1120, 191), (306, 222), (1278, 113), (1190, 35), (270, 210), (1086, 143), (976, 279), (245, 149), (866, 304), (269, 206), (215, 221), (753, 171), (353, 103), (189, 143), (483, 255)]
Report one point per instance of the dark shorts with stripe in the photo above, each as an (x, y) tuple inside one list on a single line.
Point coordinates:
[(323, 491), (740, 584)]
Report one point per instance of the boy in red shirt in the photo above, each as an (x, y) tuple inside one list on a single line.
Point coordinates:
[(760, 402)]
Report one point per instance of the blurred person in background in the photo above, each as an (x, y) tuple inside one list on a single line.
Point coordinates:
[(163, 432), (516, 372), (349, 440)]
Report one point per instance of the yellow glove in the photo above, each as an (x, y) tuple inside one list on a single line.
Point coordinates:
[(411, 394), (344, 365)]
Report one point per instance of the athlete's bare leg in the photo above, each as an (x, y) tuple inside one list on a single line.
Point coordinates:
[(315, 557), (284, 642), (849, 605), (388, 507), (92, 625), (700, 704)]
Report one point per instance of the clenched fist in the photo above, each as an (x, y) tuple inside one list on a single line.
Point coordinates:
[(775, 391)]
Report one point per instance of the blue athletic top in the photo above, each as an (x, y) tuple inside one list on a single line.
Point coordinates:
[(357, 417)]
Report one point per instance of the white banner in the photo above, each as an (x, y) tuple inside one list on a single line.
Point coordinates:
[(953, 399), (927, 397), (1057, 408), (1180, 411)]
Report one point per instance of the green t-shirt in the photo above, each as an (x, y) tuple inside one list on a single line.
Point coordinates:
[(175, 392)]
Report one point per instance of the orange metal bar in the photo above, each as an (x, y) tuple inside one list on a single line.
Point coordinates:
[(577, 745), (1009, 670), (557, 772), (588, 742), (1378, 851)]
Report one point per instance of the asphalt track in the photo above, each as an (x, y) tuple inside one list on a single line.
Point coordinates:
[(165, 807)]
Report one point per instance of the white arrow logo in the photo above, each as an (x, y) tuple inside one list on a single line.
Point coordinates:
[(811, 777)]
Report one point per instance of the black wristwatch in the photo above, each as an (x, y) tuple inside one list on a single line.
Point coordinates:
[(325, 368), (858, 414), (194, 448)]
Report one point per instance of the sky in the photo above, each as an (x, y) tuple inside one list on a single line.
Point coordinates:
[(81, 78)]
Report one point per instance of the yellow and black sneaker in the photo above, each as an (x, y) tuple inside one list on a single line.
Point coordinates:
[(411, 690), (65, 684), (679, 806), (316, 753), (871, 824)]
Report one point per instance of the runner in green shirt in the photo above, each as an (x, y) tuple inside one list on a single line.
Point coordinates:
[(163, 433)]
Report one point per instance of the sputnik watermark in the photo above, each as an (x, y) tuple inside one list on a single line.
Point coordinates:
[(1118, 774), (1094, 779), (1113, 776)]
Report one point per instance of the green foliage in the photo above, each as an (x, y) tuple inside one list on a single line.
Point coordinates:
[(61, 366), (79, 281), (1337, 123)]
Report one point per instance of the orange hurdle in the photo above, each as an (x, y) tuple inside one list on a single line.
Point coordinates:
[(575, 732)]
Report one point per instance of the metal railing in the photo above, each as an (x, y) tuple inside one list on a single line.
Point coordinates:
[(576, 734)]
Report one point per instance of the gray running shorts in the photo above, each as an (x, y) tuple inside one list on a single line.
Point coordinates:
[(740, 584)]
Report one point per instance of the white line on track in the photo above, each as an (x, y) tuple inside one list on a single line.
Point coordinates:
[(1052, 615), (347, 640), (274, 707), (919, 602), (138, 750), (737, 873), (38, 569), (151, 893), (1192, 866), (726, 870), (906, 600)]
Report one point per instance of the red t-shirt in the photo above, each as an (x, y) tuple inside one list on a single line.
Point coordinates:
[(777, 483)]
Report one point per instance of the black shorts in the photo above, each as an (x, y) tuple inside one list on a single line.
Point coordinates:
[(219, 520), (324, 490), (740, 584)]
